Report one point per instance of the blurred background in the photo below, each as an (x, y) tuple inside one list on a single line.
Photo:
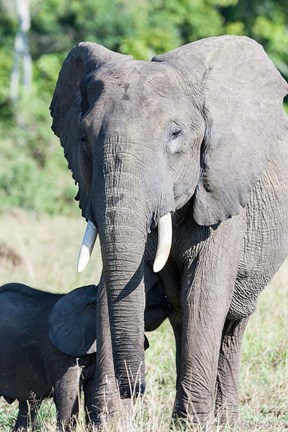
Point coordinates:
[(37, 35)]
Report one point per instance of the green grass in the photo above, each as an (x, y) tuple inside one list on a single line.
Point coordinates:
[(42, 252)]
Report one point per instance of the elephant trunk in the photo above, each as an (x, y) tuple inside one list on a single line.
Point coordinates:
[(125, 207), (123, 271), (123, 235)]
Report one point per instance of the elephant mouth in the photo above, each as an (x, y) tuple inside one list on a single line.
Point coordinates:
[(163, 247)]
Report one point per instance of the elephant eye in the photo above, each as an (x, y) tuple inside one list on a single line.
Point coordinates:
[(175, 144), (175, 132)]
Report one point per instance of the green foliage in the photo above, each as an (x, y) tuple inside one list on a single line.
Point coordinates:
[(264, 21), (141, 29), (24, 183), (33, 171)]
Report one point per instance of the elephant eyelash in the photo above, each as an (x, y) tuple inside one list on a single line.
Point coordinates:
[(175, 145), (175, 134)]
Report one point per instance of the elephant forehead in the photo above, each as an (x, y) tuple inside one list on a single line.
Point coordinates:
[(140, 91), (144, 79)]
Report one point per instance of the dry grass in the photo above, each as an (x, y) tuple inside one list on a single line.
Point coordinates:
[(42, 252), (46, 250)]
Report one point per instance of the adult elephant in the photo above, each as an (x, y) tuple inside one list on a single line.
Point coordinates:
[(198, 134)]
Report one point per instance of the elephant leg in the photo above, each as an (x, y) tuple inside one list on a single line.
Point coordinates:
[(26, 415), (201, 339), (171, 280), (227, 387), (209, 275), (89, 388), (177, 330), (66, 398)]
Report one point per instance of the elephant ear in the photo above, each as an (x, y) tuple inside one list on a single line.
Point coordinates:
[(69, 104), (240, 93), (72, 322)]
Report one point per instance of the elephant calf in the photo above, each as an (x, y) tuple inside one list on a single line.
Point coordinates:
[(32, 324)]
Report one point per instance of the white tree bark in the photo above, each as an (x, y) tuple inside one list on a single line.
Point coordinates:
[(22, 65)]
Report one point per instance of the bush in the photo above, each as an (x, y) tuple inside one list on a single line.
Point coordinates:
[(34, 173)]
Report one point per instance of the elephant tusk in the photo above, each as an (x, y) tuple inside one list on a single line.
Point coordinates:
[(164, 242), (87, 246)]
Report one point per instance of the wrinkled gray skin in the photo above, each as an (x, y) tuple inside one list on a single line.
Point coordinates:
[(199, 132), (48, 348), (31, 367)]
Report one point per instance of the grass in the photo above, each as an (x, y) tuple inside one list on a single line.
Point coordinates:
[(45, 250), (42, 252)]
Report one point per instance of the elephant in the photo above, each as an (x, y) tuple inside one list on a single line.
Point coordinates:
[(48, 346), (181, 165), (31, 367)]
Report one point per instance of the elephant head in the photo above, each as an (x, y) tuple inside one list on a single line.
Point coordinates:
[(143, 138)]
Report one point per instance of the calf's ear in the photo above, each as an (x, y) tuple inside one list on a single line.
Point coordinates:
[(72, 322)]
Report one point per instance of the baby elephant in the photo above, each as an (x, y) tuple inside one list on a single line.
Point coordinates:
[(32, 324), (31, 367)]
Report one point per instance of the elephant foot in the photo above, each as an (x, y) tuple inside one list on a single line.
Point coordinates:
[(226, 418), (67, 426), (198, 422), (99, 421), (226, 415)]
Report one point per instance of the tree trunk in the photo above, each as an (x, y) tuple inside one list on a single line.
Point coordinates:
[(22, 64)]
